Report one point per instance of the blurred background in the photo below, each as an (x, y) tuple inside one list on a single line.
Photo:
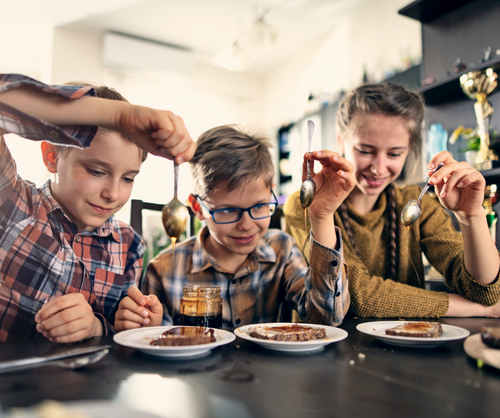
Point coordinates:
[(264, 64)]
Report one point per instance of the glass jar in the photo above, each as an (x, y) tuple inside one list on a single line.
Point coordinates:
[(201, 306)]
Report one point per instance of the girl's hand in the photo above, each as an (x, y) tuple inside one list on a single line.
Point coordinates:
[(460, 187), (333, 183), (137, 310)]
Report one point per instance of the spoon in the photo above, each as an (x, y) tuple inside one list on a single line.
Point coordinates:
[(75, 362), (412, 210), (308, 188), (175, 215)]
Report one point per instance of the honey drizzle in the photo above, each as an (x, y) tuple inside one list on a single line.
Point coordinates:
[(174, 240), (409, 256)]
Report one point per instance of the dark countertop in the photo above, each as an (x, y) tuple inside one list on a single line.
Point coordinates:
[(242, 379)]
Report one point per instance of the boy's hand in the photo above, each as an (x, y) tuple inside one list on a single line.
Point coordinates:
[(67, 319), (137, 310), (459, 187), (333, 183), (159, 132)]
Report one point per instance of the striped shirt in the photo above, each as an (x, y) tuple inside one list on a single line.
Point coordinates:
[(42, 255), (273, 280)]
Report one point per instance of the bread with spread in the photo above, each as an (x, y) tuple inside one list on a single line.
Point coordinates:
[(491, 336), (417, 329), (287, 333), (179, 336)]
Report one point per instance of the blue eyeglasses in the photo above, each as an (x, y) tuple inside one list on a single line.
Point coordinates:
[(231, 215)]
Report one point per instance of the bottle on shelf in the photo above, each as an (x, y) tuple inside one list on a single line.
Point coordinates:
[(490, 197)]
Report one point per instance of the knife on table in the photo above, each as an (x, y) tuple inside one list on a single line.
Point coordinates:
[(9, 365)]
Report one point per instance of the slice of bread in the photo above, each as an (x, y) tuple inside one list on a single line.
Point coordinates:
[(293, 332), (417, 329), (180, 336), (491, 336)]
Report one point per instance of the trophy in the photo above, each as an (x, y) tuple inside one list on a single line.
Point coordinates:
[(478, 85)]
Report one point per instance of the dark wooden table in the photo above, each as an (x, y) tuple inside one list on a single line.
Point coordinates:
[(244, 380)]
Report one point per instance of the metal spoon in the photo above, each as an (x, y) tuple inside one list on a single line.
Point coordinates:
[(308, 188), (175, 215), (75, 362), (412, 210)]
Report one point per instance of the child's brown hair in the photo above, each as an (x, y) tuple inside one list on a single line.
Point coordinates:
[(229, 157)]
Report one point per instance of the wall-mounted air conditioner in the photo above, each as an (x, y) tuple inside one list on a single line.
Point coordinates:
[(126, 52)]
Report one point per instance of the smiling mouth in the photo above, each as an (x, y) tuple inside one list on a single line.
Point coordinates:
[(244, 240), (100, 209), (375, 179)]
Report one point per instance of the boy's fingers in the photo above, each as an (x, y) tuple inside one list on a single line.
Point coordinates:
[(57, 305), (154, 304), (136, 295), (125, 315), (129, 305)]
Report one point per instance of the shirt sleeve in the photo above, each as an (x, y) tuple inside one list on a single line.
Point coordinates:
[(22, 124), (320, 293)]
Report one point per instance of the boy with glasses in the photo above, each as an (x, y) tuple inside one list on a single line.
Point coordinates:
[(261, 273)]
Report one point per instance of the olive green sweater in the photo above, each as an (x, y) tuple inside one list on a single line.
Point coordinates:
[(372, 295)]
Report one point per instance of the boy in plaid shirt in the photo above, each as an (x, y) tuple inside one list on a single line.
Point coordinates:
[(65, 262), (259, 271)]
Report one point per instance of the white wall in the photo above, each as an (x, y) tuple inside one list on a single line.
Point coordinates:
[(375, 36)]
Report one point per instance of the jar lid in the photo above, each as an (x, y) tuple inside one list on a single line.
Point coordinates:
[(201, 290)]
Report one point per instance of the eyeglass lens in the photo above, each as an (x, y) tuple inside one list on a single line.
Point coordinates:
[(256, 212)]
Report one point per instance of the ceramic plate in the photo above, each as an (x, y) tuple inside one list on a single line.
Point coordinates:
[(377, 330), (475, 348), (141, 338), (332, 335)]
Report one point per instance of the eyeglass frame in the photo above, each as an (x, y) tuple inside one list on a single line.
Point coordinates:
[(212, 212)]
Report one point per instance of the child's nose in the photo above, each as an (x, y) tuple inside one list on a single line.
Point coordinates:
[(378, 165), (245, 222), (111, 191)]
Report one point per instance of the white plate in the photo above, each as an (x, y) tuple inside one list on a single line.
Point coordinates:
[(475, 348), (377, 330), (332, 336), (141, 338)]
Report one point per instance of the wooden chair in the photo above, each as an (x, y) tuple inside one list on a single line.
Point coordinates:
[(136, 215)]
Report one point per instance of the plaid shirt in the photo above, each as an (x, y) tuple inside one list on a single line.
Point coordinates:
[(273, 279), (42, 255)]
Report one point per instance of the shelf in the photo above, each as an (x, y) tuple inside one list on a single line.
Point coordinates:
[(449, 90), (492, 176), (426, 11)]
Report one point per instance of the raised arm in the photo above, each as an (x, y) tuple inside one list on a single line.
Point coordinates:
[(159, 132), (461, 189)]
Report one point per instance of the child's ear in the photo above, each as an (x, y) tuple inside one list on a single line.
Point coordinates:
[(196, 207), (49, 156)]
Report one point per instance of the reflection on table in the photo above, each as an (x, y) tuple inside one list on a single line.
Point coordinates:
[(359, 376)]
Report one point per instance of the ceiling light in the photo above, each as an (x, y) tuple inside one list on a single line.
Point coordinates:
[(232, 58), (259, 36)]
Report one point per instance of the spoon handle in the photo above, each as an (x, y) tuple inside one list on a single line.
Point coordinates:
[(427, 185), (176, 178), (310, 132)]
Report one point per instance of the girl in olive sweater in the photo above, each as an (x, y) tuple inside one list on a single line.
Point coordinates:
[(378, 126)]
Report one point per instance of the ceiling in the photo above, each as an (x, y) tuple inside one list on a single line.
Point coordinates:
[(206, 26)]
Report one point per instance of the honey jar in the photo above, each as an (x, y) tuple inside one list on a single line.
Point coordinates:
[(201, 306)]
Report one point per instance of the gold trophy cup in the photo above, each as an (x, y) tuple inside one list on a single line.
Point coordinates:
[(478, 85)]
